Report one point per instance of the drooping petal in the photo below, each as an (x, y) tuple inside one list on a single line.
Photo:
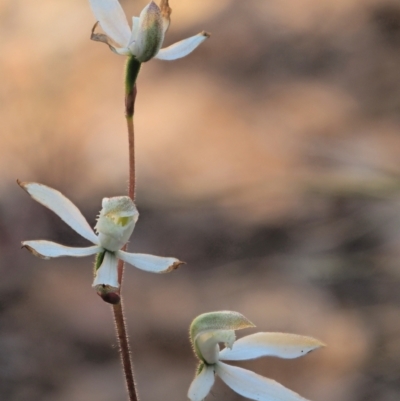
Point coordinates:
[(201, 384), (253, 386), (47, 249), (149, 263), (282, 345), (101, 37), (166, 11), (112, 20), (182, 48), (150, 35), (107, 273), (62, 207)]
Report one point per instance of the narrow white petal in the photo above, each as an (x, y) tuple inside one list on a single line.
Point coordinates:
[(135, 30), (112, 20), (48, 249), (107, 274), (253, 386), (182, 48), (282, 345), (202, 383), (62, 207), (149, 263)]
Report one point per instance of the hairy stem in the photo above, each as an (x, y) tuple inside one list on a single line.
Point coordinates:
[(122, 335), (132, 71)]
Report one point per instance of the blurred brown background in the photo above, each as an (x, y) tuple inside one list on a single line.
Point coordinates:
[(268, 160)]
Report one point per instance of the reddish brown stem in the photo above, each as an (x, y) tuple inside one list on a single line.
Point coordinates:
[(120, 327), (120, 324), (132, 170)]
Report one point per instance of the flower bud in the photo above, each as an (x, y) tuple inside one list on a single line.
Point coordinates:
[(116, 222)]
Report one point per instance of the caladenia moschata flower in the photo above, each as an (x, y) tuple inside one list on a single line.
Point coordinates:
[(146, 37), (115, 225), (210, 329)]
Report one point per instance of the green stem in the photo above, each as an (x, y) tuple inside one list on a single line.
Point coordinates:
[(131, 73)]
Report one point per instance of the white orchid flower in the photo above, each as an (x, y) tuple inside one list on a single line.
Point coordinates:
[(146, 37), (210, 329), (114, 226)]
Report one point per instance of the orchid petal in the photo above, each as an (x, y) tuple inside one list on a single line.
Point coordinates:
[(62, 207), (47, 249), (201, 384), (149, 263), (112, 20), (282, 345), (182, 48), (107, 273), (253, 386), (135, 30), (101, 37)]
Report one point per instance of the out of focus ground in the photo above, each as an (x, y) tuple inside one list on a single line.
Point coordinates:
[(268, 160)]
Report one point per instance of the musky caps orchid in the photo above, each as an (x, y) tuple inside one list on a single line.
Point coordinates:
[(210, 329), (115, 225), (145, 39)]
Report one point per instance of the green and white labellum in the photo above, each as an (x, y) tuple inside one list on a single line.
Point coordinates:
[(209, 329), (116, 222)]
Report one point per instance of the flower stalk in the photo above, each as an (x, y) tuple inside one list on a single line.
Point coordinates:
[(120, 327), (131, 74)]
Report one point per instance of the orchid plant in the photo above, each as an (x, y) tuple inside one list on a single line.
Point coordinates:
[(117, 219), (210, 329)]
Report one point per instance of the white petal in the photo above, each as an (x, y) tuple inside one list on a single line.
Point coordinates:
[(62, 207), (135, 30), (48, 249), (107, 274), (253, 386), (282, 345), (182, 48), (149, 263), (202, 383), (112, 20)]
